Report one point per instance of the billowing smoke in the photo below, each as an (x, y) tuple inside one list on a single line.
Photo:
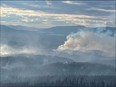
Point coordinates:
[(9, 51), (86, 41)]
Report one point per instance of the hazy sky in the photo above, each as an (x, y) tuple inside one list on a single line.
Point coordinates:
[(48, 13)]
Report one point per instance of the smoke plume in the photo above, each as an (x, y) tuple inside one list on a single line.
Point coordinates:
[(89, 41)]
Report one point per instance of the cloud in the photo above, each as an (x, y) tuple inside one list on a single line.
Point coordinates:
[(103, 10), (31, 16), (21, 12), (72, 3), (32, 5), (112, 21), (48, 2), (36, 5), (89, 42)]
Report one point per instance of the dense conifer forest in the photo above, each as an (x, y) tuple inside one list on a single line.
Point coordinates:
[(67, 81)]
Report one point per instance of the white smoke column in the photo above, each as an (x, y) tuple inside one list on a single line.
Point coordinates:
[(86, 41)]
